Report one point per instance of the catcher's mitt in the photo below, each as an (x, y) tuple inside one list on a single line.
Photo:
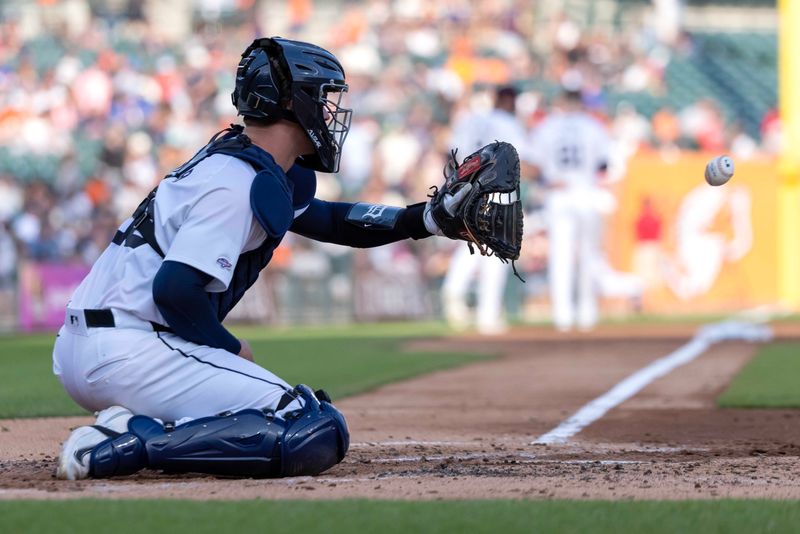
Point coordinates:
[(490, 215)]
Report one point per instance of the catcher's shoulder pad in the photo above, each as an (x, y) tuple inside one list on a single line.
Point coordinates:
[(304, 186), (271, 202)]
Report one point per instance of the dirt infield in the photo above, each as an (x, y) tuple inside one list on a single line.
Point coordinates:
[(467, 433)]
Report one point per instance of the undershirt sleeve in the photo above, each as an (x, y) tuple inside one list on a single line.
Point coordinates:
[(180, 295), (326, 221)]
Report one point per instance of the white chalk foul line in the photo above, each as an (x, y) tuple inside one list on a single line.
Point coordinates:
[(705, 337), (409, 443)]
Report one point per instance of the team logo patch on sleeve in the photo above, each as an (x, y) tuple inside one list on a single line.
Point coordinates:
[(224, 263), (375, 216)]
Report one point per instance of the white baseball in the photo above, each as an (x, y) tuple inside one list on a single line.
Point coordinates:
[(719, 170)]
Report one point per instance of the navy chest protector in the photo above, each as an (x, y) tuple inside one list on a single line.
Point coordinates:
[(274, 198)]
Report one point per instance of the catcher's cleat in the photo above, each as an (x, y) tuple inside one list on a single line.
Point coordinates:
[(73, 463), (114, 418)]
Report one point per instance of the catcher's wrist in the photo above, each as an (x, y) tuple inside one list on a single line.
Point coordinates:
[(430, 224), (413, 221)]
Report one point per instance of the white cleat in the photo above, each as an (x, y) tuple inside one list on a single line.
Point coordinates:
[(73, 463)]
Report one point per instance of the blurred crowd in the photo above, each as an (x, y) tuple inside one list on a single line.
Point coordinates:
[(93, 113)]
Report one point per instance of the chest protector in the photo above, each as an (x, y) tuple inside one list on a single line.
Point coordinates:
[(274, 198)]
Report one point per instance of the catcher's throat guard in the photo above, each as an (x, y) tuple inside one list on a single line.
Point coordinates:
[(490, 218)]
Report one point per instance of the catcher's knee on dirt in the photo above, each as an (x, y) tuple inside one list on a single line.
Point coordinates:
[(247, 443)]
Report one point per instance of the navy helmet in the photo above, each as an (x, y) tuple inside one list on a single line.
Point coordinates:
[(283, 79)]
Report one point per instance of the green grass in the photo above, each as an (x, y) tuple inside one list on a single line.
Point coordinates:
[(27, 384), (352, 516), (343, 360), (768, 381)]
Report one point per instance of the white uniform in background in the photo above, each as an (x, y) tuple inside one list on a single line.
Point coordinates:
[(469, 134), (569, 148)]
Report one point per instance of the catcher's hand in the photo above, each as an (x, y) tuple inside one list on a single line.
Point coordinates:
[(480, 202)]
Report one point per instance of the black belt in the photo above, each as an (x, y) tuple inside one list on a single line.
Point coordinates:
[(105, 319)]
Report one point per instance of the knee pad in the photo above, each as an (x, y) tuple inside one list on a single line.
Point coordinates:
[(316, 438)]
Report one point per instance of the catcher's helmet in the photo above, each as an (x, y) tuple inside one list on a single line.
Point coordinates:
[(301, 82)]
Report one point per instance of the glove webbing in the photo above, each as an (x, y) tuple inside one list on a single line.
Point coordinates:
[(483, 248)]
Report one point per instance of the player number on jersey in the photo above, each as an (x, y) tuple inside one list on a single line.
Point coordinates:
[(569, 156)]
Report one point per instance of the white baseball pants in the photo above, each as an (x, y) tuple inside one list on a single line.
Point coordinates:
[(158, 374), (574, 240), (492, 275)]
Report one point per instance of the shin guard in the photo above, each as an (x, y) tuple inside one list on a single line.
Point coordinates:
[(124, 454), (245, 443), (248, 443)]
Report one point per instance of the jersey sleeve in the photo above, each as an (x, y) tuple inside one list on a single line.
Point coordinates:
[(212, 236)]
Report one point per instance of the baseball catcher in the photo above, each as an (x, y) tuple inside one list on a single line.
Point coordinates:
[(143, 342)]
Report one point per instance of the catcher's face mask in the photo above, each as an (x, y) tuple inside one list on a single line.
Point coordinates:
[(336, 117), (325, 121)]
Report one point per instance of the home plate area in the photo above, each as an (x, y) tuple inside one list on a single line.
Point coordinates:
[(619, 414)]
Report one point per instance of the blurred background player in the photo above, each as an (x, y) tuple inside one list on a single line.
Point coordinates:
[(470, 132), (570, 148)]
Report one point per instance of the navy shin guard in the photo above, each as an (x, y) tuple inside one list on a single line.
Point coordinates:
[(252, 444), (248, 443), (124, 454)]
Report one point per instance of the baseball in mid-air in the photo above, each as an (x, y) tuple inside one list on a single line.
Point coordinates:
[(719, 170)]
